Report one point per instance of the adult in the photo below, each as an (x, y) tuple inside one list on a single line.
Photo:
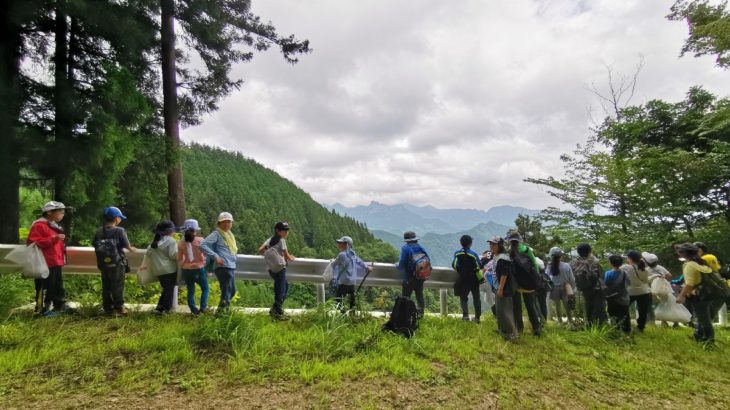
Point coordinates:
[(524, 293), (543, 292), (468, 267), (590, 281), (109, 242), (709, 258), (409, 253), (221, 245), (563, 293), (162, 256), (704, 310), (639, 290), (505, 284), (50, 238)]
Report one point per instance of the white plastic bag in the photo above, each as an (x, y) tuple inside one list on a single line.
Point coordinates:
[(661, 288), (327, 275), (31, 260), (145, 275), (668, 310)]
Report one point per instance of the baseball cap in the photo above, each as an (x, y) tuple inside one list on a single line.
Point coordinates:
[(633, 255), (191, 224), (496, 239), (410, 236), (281, 226), (53, 206), (225, 216), (555, 252), (649, 257), (113, 212), (345, 239), (165, 227)]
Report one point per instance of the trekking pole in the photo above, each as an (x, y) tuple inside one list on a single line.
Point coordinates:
[(364, 277)]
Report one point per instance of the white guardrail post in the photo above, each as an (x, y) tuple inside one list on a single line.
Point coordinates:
[(82, 260)]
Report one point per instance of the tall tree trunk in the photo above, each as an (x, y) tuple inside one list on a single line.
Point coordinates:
[(175, 192), (10, 97), (62, 104)]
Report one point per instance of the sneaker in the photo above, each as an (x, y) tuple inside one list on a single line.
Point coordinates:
[(49, 313), (195, 312), (465, 318), (121, 311), (205, 311), (476, 320)]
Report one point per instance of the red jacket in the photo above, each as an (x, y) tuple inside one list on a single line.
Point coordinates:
[(43, 235)]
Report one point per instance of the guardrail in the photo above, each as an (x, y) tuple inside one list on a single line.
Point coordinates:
[(82, 260)]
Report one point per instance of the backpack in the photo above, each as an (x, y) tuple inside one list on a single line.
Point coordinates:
[(526, 274), (404, 318), (275, 261), (421, 266), (106, 248), (713, 287), (587, 278)]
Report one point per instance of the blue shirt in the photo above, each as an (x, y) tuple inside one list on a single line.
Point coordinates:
[(215, 245), (611, 275), (406, 264)]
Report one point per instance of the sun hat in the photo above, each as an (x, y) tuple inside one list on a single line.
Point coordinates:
[(53, 206), (555, 251), (114, 212), (513, 236), (165, 227), (225, 216), (496, 240), (649, 257), (190, 224), (410, 236)]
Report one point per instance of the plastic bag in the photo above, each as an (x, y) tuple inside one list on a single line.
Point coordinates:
[(145, 275), (661, 288), (669, 310), (31, 260), (327, 274)]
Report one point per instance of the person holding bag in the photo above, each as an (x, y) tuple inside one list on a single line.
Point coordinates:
[(192, 262), (639, 290), (50, 238), (345, 270), (696, 270), (163, 261), (221, 244), (276, 254)]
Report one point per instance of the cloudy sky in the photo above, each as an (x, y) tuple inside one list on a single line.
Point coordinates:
[(443, 103)]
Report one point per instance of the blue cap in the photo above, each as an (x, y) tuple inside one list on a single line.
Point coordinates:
[(113, 212)]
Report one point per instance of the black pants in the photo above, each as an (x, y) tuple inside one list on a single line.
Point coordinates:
[(49, 292), (595, 303), (542, 303), (532, 311), (416, 285), (464, 299), (112, 287), (344, 290), (620, 315), (167, 282), (643, 304), (705, 311)]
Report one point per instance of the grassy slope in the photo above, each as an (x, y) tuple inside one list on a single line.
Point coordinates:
[(316, 361)]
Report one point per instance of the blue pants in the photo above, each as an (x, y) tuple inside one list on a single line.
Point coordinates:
[(193, 276), (281, 287), (227, 281)]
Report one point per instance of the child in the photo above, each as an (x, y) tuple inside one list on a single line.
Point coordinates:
[(344, 271), (162, 256), (563, 293), (468, 266), (50, 239), (109, 244), (617, 294), (192, 261), (221, 244), (277, 270)]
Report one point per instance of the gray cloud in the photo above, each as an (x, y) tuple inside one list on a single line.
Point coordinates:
[(451, 104)]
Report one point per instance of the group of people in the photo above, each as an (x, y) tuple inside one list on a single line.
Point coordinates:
[(509, 272)]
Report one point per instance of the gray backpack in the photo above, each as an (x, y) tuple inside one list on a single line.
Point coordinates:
[(275, 261)]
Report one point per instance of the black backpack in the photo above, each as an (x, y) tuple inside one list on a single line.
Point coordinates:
[(404, 318), (526, 274), (106, 248)]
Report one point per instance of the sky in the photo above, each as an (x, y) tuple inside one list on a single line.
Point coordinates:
[(444, 103)]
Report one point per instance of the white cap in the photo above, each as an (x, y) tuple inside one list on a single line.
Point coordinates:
[(345, 239), (649, 257), (52, 206), (225, 216)]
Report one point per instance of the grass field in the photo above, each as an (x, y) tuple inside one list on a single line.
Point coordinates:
[(322, 361)]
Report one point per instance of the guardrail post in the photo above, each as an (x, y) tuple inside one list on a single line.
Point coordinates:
[(320, 293), (174, 299), (723, 315), (444, 298)]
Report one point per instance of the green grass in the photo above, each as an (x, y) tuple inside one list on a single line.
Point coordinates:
[(317, 357)]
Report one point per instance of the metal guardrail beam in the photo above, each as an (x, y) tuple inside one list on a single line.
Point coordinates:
[(82, 260)]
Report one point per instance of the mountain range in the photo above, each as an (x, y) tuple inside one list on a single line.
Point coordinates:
[(439, 229)]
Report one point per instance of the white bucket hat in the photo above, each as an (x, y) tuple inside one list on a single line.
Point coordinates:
[(225, 216), (52, 206)]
